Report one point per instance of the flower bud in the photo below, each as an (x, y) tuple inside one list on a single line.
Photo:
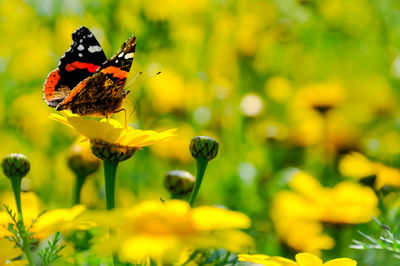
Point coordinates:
[(111, 152), (81, 160), (179, 182), (15, 165), (203, 147)]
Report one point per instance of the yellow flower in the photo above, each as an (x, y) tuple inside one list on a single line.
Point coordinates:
[(81, 159), (358, 166), (302, 259), (266, 260), (177, 148), (298, 214), (163, 230), (9, 252), (118, 141), (321, 96), (31, 208), (61, 220)]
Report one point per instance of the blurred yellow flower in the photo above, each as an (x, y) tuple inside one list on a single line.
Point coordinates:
[(358, 166), (320, 96), (177, 148), (112, 131), (163, 230), (182, 94), (8, 252), (302, 259), (81, 159), (298, 214), (60, 220), (278, 88), (306, 127), (266, 260), (31, 208), (34, 125)]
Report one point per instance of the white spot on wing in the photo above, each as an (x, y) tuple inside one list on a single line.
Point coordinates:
[(116, 61), (128, 56), (95, 48), (81, 47), (80, 55), (81, 40), (90, 35), (121, 54)]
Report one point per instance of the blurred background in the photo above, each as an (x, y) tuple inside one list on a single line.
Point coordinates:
[(288, 88)]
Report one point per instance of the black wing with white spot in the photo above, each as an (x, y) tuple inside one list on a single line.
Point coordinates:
[(79, 62), (82, 59)]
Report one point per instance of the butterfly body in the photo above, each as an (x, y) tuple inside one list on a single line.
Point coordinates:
[(84, 84)]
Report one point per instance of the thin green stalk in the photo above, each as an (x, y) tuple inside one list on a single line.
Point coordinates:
[(16, 185), (110, 170), (201, 168), (80, 180)]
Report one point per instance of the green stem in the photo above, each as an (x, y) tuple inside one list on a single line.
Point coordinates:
[(201, 168), (80, 180), (110, 170), (16, 185)]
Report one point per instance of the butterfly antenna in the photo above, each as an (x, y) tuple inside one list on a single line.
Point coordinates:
[(143, 80), (134, 78)]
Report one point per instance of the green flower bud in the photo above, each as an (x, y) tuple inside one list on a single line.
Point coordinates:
[(179, 182), (81, 159), (111, 152), (15, 165), (204, 147)]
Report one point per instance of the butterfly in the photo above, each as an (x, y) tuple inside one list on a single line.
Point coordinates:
[(85, 81)]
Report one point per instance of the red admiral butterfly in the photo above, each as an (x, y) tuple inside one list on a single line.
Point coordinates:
[(85, 82)]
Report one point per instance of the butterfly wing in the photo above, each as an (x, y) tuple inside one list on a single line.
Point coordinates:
[(79, 62), (103, 92)]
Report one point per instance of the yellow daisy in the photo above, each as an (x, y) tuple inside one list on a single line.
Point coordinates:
[(109, 139), (8, 251), (61, 220), (359, 166), (163, 231), (302, 259)]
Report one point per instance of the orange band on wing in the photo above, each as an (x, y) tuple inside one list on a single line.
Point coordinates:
[(50, 84), (117, 72), (88, 66), (72, 94)]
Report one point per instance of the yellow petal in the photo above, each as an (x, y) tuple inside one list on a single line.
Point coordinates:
[(266, 260), (341, 262), (214, 218), (306, 184), (356, 165), (306, 259)]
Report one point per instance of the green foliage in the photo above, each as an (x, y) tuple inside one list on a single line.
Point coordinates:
[(52, 252), (386, 241)]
